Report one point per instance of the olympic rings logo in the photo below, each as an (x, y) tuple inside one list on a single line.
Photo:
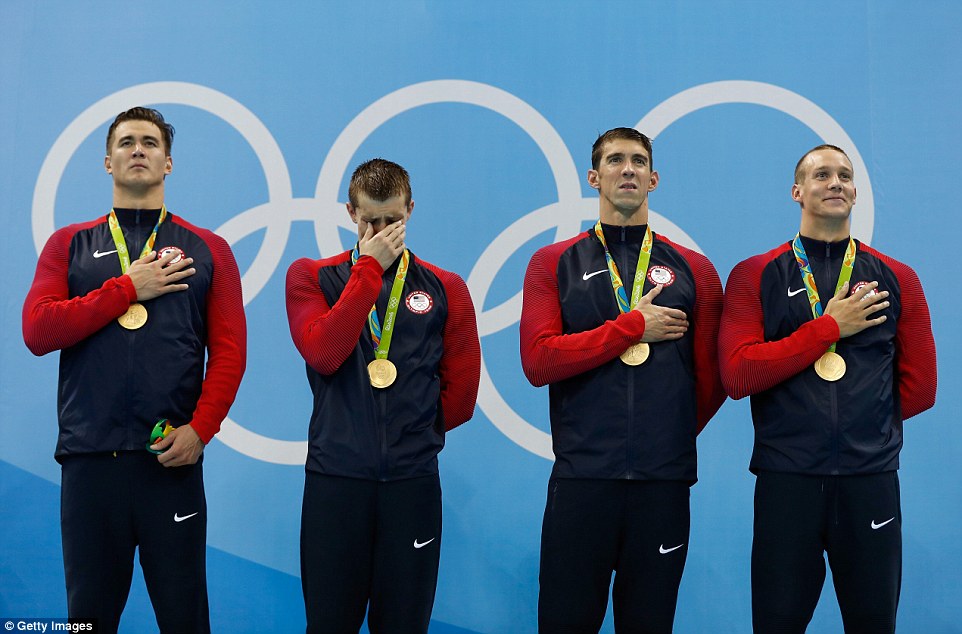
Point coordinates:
[(275, 216)]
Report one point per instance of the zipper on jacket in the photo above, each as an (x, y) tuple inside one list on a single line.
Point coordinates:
[(132, 345), (631, 416), (623, 266), (833, 387), (380, 397)]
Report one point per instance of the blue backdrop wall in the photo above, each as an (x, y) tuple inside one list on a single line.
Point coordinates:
[(493, 108)]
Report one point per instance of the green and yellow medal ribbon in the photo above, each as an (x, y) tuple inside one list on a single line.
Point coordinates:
[(808, 279), (118, 235), (381, 335), (637, 287)]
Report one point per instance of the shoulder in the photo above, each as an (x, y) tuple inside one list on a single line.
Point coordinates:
[(447, 277), (312, 266), (697, 261), (203, 233), (453, 284), (69, 231), (553, 252), (903, 272), (754, 265), (61, 239)]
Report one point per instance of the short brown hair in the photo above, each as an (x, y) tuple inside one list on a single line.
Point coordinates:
[(379, 180), (629, 134), (824, 146), (141, 113)]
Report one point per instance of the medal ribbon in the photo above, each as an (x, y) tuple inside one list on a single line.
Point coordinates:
[(808, 279), (118, 235), (381, 335), (640, 271)]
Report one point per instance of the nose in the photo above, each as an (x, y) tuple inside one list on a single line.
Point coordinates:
[(139, 150)]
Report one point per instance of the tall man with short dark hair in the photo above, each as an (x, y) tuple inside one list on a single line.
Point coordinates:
[(394, 361), (621, 323), (135, 301), (832, 341)]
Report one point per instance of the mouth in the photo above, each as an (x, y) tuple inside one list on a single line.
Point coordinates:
[(628, 186)]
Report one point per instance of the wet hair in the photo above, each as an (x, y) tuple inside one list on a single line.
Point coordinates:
[(825, 146), (629, 134), (379, 180), (141, 113)]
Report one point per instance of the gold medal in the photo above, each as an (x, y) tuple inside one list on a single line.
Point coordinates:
[(382, 372), (830, 366), (636, 354), (134, 318)]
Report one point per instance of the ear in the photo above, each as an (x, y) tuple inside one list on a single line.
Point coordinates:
[(107, 164), (796, 193), (593, 179), (410, 211), (169, 167), (653, 181), (351, 212)]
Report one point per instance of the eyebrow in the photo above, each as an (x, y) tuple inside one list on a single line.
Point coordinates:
[(146, 137), (608, 157), (827, 168)]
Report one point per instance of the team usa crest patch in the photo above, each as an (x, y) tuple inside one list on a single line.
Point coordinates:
[(161, 253), (661, 274), (419, 302), (857, 285)]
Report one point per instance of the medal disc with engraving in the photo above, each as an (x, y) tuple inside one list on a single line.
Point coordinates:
[(134, 318), (636, 354), (830, 366), (382, 372)]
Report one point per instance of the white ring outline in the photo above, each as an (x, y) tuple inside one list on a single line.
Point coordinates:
[(277, 227), (507, 421), (502, 416), (783, 100), (337, 161), (232, 434), (497, 410)]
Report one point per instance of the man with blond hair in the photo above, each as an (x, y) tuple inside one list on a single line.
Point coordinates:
[(393, 360), (832, 341)]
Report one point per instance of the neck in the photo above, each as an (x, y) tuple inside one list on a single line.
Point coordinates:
[(623, 217), (825, 231), (152, 198)]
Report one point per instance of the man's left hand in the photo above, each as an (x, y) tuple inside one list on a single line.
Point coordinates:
[(183, 445)]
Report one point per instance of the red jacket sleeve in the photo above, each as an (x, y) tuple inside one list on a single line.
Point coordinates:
[(52, 320), (548, 355), (226, 341), (460, 367), (748, 363), (708, 308), (915, 363), (326, 335)]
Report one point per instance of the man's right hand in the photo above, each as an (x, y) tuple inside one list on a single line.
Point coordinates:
[(152, 277), (384, 246), (661, 323), (852, 313)]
